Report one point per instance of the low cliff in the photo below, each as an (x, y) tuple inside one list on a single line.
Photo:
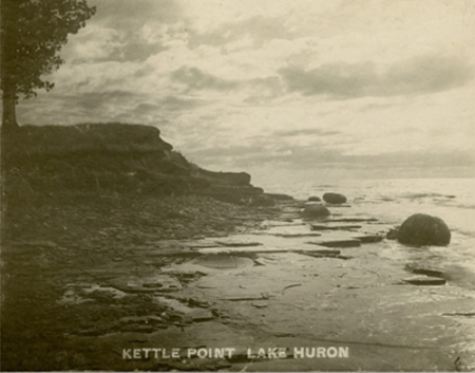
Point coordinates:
[(112, 157)]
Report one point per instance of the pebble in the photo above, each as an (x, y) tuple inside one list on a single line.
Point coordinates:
[(425, 281)]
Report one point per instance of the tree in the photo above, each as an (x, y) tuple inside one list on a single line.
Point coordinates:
[(32, 34)]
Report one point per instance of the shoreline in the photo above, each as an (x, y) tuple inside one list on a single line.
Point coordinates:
[(101, 273), (55, 240)]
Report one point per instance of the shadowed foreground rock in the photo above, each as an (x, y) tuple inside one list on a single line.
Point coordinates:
[(335, 198), (423, 229)]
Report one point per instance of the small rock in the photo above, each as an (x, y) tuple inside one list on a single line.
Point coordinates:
[(392, 234), (338, 243), (262, 200), (259, 304), (231, 243), (152, 285), (151, 319), (422, 270), (315, 212), (322, 253), (321, 227), (351, 220), (314, 199), (335, 198), (425, 281), (369, 239), (201, 315), (279, 197), (137, 328), (89, 332), (193, 302), (294, 235)]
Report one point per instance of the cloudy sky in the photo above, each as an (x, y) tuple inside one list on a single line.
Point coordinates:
[(283, 89)]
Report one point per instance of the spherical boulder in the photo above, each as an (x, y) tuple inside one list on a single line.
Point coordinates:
[(315, 212), (335, 198), (423, 229), (314, 199)]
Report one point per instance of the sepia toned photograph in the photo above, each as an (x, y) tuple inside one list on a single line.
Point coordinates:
[(237, 185)]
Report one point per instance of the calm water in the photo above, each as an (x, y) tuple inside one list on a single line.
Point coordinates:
[(392, 201)]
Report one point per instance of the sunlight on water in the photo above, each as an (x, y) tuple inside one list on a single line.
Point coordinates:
[(394, 200)]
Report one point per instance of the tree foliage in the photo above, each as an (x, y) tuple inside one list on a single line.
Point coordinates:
[(32, 34)]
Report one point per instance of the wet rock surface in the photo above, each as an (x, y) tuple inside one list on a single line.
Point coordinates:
[(103, 275)]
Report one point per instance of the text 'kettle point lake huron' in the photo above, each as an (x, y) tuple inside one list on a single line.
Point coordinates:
[(231, 352)]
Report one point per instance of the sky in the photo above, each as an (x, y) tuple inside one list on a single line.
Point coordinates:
[(295, 90)]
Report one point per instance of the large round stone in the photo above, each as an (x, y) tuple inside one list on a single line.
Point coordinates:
[(423, 229), (315, 212), (335, 198)]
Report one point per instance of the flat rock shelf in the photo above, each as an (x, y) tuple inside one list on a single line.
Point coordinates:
[(266, 296)]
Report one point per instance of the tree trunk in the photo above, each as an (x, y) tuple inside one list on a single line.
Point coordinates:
[(7, 61), (9, 111)]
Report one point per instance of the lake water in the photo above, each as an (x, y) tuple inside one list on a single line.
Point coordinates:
[(393, 200)]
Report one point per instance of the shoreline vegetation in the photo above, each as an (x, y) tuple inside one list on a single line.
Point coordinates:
[(112, 242)]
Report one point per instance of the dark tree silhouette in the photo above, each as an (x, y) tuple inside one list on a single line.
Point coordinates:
[(32, 34)]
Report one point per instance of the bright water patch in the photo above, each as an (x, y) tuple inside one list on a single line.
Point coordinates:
[(394, 200)]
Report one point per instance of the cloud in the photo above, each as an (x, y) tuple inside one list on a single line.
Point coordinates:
[(258, 29), (376, 106), (307, 132), (124, 30), (126, 14), (426, 74), (304, 85), (134, 50), (195, 79), (418, 75), (107, 106), (124, 100), (257, 91), (172, 103), (318, 157), (96, 100), (100, 44)]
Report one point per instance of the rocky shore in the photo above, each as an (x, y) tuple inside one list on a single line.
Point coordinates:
[(111, 158), (99, 282), (193, 270), (69, 239), (78, 198)]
